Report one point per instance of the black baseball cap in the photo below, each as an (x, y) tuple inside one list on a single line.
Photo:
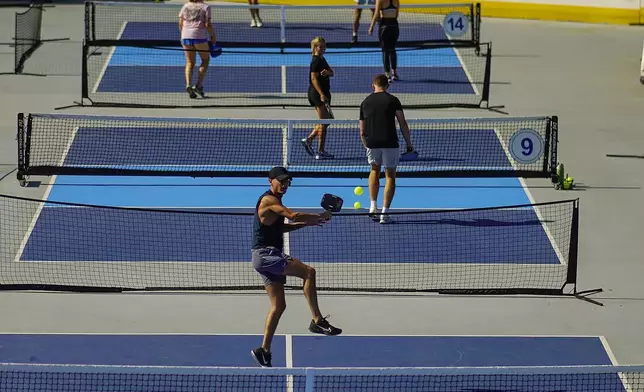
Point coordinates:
[(279, 173)]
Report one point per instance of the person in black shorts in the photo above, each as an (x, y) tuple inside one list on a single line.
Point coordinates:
[(378, 115), (388, 32), (270, 261), (319, 95)]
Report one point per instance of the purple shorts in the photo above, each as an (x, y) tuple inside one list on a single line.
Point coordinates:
[(270, 262), (193, 42)]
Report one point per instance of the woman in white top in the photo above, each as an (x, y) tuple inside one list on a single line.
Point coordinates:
[(194, 23)]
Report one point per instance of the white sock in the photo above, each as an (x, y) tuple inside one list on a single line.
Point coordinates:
[(384, 210), (355, 34), (374, 206)]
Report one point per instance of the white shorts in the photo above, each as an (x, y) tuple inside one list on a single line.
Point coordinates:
[(386, 157), (365, 2)]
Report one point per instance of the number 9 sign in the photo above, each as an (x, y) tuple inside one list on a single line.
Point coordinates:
[(526, 146), (455, 24)]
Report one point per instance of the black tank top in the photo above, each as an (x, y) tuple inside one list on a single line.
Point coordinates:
[(389, 21), (264, 235)]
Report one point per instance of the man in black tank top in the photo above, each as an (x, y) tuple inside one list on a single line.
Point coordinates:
[(274, 265)]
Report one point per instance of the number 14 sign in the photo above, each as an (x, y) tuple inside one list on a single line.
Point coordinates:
[(455, 24)]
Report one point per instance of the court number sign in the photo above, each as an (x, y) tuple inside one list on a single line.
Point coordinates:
[(526, 146), (455, 24)]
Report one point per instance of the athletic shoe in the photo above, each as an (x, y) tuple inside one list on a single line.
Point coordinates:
[(253, 23), (262, 357), (199, 90), (395, 78), (354, 40), (385, 219), (323, 327), (259, 22), (307, 146), (324, 155), (373, 214), (191, 92)]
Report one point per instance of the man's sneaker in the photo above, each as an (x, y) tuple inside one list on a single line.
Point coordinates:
[(259, 22), (253, 23), (323, 327), (384, 218), (324, 155), (307, 146), (262, 357), (354, 40)]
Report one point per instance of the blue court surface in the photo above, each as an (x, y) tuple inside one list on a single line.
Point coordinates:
[(266, 71), (340, 351), (237, 147)]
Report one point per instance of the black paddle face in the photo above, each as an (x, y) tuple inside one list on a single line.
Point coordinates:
[(331, 202)]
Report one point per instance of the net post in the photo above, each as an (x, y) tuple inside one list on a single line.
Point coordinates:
[(476, 22), (84, 76), (572, 259), (554, 141), (310, 380), (21, 149), (87, 5), (488, 73)]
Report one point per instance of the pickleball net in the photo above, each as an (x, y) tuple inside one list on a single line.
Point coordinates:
[(57, 378), (50, 144), (132, 56), (27, 36), (51, 245), (122, 23)]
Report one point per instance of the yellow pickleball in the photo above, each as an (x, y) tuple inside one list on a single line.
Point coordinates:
[(358, 191), (356, 205)]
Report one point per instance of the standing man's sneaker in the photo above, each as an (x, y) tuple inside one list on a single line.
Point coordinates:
[(262, 357), (323, 327)]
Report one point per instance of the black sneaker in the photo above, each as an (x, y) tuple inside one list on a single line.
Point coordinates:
[(199, 90), (262, 357), (323, 327), (308, 146), (354, 40), (191, 91)]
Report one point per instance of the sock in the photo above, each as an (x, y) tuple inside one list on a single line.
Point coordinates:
[(384, 210), (374, 206), (355, 34)]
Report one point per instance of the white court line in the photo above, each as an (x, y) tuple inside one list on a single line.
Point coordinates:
[(531, 199), (467, 72), (50, 186), (109, 59), (613, 361), (289, 361), (283, 79)]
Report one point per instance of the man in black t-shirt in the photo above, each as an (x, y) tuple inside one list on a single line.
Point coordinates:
[(378, 114)]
